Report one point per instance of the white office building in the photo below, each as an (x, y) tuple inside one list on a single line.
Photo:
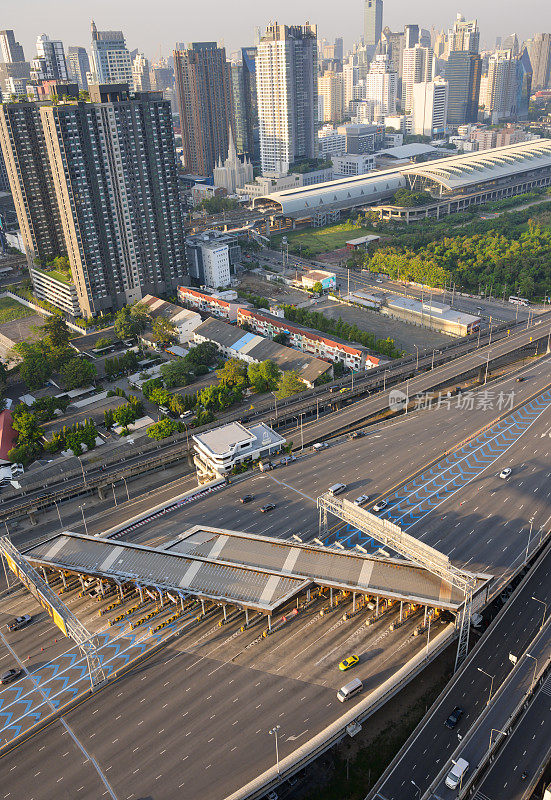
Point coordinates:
[(221, 449), (331, 142), (287, 92), (380, 87), (350, 164), (216, 265), (500, 91), (140, 73), (49, 63), (430, 107), (418, 67), (110, 62)]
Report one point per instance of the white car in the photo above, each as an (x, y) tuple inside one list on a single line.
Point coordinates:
[(504, 474), (380, 505), (361, 500)]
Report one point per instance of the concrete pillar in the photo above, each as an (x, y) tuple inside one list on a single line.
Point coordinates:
[(377, 606), (32, 517), (246, 616), (45, 574), (141, 593), (308, 594), (224, 612), (102, 492), (353, 601), (81, 581), (425, 617), (331, 597), (269, 622), (203, 606), (162, 599), (401, 609), (63, 579)]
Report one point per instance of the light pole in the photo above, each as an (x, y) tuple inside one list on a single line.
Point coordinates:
[(126, 487), (487, 365), (529, 538), (417, 362), (114, 495), (535, 668), (58, 514), (301, 435), (417, 787), (491, 684), (82, 468), (544, 609), (275, 399), (273, 731), (84, 519)]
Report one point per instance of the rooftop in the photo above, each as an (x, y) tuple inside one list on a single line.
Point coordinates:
[(437, 310), (225, 439)]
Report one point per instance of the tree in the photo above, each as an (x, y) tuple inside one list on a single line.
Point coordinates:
[(159, 396), (164, 330), (104, 341), (290, 383), (164, 428), (34, 370), (317, 287), (281, 338), (77, 372), (56, 330), (177, 404), (233, 373), (128, 325), (175, 373), (264, 377), (204, 353), (124, 415)]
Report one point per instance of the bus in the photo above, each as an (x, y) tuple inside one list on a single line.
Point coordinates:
[(518, 301)]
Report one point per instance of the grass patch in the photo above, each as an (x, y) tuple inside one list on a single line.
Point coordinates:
[(56, 275), (322, 240), (10, 309)]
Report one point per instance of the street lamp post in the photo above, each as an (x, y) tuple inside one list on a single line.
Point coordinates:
[(496, 730), (529, 539), (126, 487), (84, 519), (417, 361), (491, 684), (535, 668), (275, 399), (417, 787), (273, 731), (58, 514), (82, 468), (544, 610)]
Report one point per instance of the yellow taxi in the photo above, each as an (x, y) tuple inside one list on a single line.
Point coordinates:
[(349, 662)]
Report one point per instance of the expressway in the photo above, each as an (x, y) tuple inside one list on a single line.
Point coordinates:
[(429, 750), (223, 690)]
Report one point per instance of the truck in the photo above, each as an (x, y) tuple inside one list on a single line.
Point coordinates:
[(265, 466)]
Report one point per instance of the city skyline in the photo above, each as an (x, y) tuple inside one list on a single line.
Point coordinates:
[(223, 24)]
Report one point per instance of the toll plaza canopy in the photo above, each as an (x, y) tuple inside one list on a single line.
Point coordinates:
[(243, 569)]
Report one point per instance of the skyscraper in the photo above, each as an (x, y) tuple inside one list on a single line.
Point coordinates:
[(110, 57), (430, 108), (140, 73), (243, 75), (49, 63), (331, 90), (12, 51), (463, 72), (501, 91), (373, 23), (98, 181), (411, 33), (203, 86), (78, 65), (417, 67), (464, 35), (539, 50), (380, 87), (287, 90)]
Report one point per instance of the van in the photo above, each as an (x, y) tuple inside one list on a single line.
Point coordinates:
[(349, 690), (456, 773), (337, 488), (164, 410)]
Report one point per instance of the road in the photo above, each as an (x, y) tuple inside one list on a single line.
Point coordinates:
[(525, 750), (432, 744)]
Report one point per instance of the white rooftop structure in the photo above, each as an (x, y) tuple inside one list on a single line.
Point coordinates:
[(219, 450)]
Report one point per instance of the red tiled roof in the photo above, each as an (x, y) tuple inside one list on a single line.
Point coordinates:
[(203, 296), (8, 435)]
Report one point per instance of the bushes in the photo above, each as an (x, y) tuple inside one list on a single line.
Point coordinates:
[(73, 437), (255, 299), (164, 428), (121, 365)]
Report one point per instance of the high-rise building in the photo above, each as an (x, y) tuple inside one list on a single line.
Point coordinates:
[(78, 65), (287, 90), (411, 35), (417, 67), (24, 150), (539, 50), (350, 79), (501, 90), (524, 84), (430, 108), (98, 181), (464, 35), (49, 63), (331, 90), (373, 23), (203, 86), (463, 72), (511, 43), (140, 73), (12, 51), (110, 57), (380, 87), (247, 134)]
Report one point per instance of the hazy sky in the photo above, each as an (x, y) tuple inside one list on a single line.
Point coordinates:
[(151, 24)]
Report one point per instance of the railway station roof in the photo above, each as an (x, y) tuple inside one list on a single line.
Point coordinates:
[(243, 569)]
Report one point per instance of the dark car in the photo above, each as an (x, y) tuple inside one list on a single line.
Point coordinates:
[(248, 498), (19, 622), (287, 460), (357, 434), (454, 717), (11, 675), (520, 379), (267, 507)]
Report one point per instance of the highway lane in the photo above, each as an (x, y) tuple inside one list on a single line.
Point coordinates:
[(524, 751), (432, 744)]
